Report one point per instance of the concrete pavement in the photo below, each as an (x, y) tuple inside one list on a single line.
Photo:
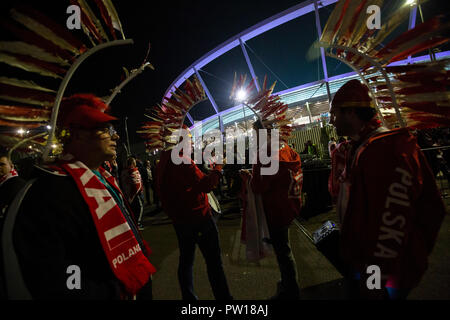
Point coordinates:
[(318, 279)]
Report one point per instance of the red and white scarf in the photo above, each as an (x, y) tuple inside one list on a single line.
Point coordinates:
[(122, 250), (13, 173)]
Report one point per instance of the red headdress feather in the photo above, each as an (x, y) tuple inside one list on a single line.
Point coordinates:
[(419, 92), (45, 48), (169, 117)]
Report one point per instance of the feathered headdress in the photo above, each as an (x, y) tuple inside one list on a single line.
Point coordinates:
[(51, 51), (268, 108), (169, 116), (414, 95)]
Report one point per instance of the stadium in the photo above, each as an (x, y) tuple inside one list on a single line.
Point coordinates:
[(307, 96)]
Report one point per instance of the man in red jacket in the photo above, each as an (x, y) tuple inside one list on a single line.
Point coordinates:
[(389, 206), (183, 192), (281, 196)]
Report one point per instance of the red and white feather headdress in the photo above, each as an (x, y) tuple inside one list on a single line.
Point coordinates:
[(168, 117), (49, 50), (268, 108), (413, 95)]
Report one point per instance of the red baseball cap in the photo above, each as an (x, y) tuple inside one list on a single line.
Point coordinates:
[(83, 110), (353, 94)]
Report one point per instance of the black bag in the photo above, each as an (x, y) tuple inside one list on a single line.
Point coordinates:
[(326, 239)]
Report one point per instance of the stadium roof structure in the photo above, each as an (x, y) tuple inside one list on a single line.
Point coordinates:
[(307, 101)]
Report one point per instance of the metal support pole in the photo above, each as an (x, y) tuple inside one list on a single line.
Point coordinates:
[(190, 118), (430, 52), (412, 22), (309, 112), (210, 97), (128, 140), (249, 63), (322, 51)]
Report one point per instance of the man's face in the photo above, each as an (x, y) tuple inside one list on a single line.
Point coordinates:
[(106, 141), (101, 142), (5, 166), (342, 120)]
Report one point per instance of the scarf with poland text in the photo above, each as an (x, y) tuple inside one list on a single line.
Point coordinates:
[(119, 243)]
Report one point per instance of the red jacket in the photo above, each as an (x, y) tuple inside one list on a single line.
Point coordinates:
[(281, 192), (182, 189), (390, 209)]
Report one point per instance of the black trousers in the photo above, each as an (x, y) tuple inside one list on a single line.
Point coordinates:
[(137, 208), (206, 236), (279, 238)]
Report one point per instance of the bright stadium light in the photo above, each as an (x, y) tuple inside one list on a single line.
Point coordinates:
[(241, 95)]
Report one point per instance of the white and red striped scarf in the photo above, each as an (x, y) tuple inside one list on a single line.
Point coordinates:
[(122, 250), (13, 173)]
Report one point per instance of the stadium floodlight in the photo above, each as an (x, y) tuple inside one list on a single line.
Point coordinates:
[(241, 95)]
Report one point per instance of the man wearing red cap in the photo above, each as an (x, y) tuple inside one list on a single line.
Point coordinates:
[(74, 234), (389, 206)]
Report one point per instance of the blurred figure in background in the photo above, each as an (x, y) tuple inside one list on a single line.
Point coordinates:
[(10, 185), (147, 179), (132, 188)]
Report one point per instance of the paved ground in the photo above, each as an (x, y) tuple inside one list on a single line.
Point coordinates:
[(256, 281)]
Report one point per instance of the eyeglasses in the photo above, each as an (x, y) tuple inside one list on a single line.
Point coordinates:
[(110, 130)]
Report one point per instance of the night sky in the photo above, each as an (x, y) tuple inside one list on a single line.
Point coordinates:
[(180, 32)]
